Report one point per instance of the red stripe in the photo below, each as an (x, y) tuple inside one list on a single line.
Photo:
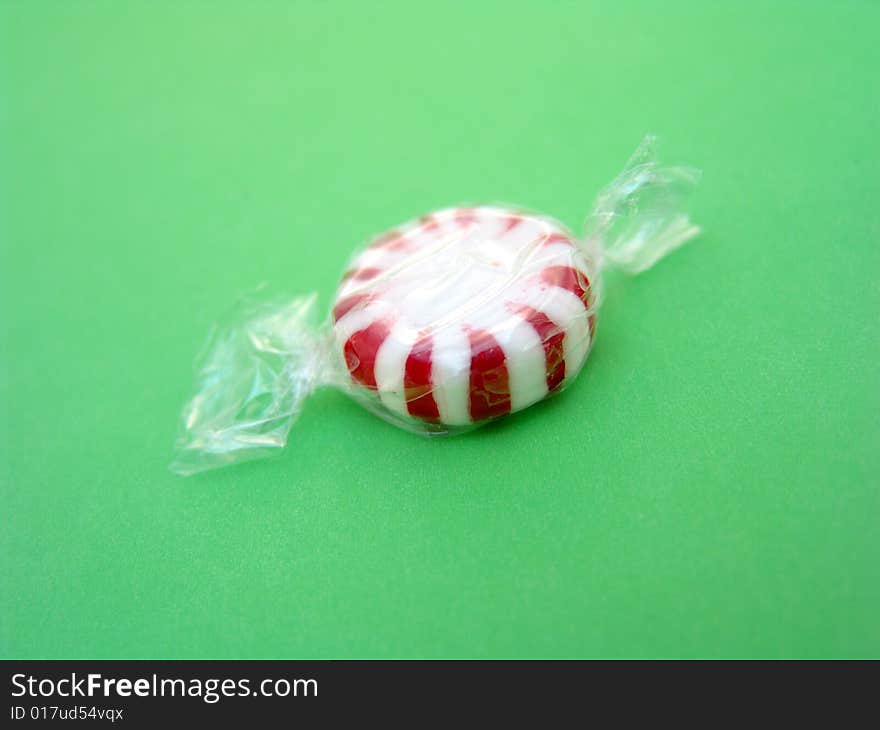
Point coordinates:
[(465, 216), (346, 304), (511, 222), (360, 351), (490, 383), (568, 278), (368, 272), (364, 274), (418, 389), (429, 223), (392, 240), (552, 336), (556, 238), (386, 237)]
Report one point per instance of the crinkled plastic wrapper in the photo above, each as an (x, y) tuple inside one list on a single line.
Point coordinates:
[(439, 325)]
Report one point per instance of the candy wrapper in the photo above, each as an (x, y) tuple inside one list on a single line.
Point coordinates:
[(439, 325)]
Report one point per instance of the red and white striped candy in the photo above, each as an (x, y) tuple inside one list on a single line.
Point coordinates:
[(465, 315)]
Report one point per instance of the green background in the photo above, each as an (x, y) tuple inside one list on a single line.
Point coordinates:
[(709, 487)]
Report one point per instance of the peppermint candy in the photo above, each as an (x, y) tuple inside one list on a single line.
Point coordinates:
[(465, 315)]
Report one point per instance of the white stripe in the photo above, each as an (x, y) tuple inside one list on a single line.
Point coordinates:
[(524, 357), (357, 319), (567, 311), (390, 367), (451, 374)]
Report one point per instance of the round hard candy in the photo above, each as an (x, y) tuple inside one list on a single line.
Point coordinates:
[(465, 315)]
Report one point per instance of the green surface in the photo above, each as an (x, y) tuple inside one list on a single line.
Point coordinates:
[(709, 487)]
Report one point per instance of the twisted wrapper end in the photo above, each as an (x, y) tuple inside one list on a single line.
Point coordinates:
[(252, 378), (641, 216)]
